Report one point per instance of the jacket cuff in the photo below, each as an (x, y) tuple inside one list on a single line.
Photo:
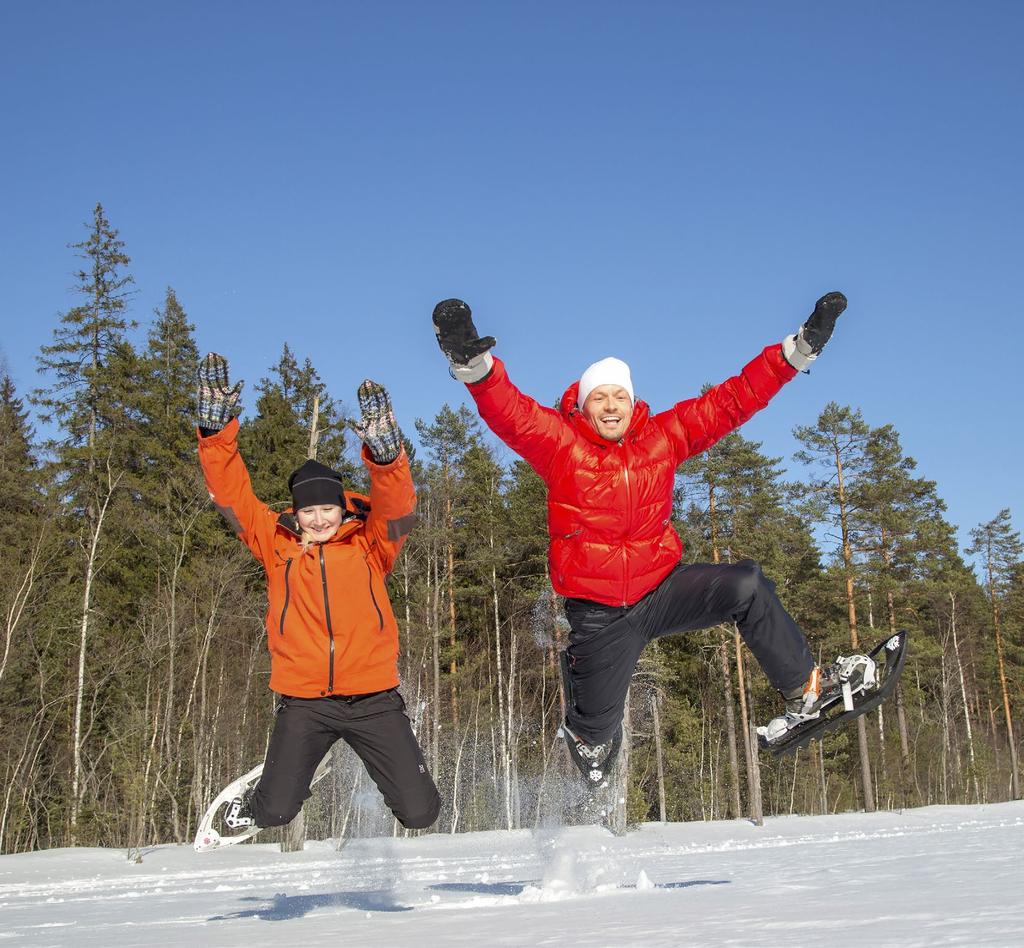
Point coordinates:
[(475, 371), (372, 465), (797, 353), (226, 435), (495, 372)]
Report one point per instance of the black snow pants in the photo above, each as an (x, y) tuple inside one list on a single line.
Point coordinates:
[(375, 727), (605, 642)]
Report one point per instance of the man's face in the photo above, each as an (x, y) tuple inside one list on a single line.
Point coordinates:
[(320, 522), (608, 408)]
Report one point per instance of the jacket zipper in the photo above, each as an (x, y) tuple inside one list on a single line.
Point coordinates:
[(369, 575), (327, 616), (287, 592), (629, 520)]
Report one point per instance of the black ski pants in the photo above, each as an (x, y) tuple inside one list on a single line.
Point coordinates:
[(375, 727), (605, 642)]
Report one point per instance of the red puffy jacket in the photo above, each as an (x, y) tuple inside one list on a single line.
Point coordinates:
[(610, 503)]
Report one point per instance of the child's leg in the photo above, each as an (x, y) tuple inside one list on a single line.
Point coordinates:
[(303, 733), (378, 730)]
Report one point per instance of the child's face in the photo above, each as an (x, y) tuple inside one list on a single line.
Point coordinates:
[(608, 408), (320, 522)]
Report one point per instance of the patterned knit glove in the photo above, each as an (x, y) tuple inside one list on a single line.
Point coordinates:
[(217, 402), (378, 428)]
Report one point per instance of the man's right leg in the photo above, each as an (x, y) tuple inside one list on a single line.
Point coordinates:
[(604, 646), (303, 733)]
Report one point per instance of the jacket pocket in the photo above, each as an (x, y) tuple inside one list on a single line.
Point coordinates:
[(562, 552)]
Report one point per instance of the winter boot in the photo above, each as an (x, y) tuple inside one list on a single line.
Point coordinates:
[(825, 686), (239, 813), (593, 760)]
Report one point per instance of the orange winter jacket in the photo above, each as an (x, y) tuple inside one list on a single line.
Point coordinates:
[(330, 628)]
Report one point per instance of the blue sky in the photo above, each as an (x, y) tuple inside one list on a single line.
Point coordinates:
[(671, 183)]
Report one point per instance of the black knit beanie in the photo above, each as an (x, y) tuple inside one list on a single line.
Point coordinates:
[(314, 484)]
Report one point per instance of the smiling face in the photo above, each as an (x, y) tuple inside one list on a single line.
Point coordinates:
[(608, 408), (320, 522)]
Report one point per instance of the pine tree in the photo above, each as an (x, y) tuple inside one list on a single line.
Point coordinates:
[(738, 512), (836, 448), (1001, 552), (896, 525), (447, 440)]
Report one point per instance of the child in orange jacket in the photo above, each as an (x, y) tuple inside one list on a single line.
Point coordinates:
[(332, 636)]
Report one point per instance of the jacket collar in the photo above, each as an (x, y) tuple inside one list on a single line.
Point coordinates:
[(574, 416)]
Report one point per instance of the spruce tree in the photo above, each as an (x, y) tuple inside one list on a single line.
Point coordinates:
[(93, 368), (83, 397), (277, 439)]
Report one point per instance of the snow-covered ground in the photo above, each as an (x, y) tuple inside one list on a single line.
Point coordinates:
[(933, 876)]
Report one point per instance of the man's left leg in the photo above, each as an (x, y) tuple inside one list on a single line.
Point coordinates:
[(703, 595)]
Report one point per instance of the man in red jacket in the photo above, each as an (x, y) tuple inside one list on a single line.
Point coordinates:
[(609, 466)]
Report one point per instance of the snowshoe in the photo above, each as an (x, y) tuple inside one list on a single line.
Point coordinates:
[(230, 811), (593, 761), (849, 688)]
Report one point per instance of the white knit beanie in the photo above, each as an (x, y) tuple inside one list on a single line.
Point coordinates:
[(610, 371)]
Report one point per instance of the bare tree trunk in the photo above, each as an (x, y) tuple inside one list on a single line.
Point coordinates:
[(963, 697), (754, 773), (510, 763), (862, 734), (730, 711), (821, 775), (293, 839), (436, 639), (655, 701), (90, 566), (730, 721), (618, 818), (503, 724), (747, 728), (21, 598), (1014, 768), (314, 429), (901, 712)]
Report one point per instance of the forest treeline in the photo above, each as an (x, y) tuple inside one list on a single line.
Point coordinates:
[(133, 662)]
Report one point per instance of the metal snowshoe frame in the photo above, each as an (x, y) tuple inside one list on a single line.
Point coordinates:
[(887, 660), (208, 838)]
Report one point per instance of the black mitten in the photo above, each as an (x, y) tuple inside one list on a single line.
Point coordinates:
[(802, 348), (456, 334), (818, 328)]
